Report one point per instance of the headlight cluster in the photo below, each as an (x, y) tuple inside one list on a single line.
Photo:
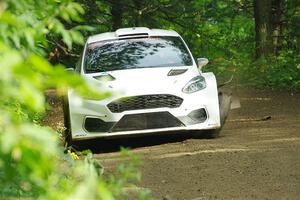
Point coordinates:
[(197, 83)]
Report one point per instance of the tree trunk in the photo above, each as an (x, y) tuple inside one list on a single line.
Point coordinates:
[(277, 25), (138, 13), (116, 12), (263, 28)]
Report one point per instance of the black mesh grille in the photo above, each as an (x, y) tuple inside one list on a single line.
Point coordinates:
[(147, 121), (145, 102)]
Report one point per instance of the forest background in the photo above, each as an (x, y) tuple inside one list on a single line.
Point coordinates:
[(258, 41)]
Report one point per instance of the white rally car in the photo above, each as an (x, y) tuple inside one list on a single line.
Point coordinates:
[(156, 87)]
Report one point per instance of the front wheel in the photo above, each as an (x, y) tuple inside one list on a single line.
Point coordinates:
[(224, 107), (67, 124)]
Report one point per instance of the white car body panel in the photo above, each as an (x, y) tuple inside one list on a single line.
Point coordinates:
[(143, 81)]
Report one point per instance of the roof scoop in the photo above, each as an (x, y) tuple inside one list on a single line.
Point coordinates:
[(175, 72), (136, 31)]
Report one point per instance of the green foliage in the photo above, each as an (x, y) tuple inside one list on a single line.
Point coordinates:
[(280, 72), (31, 161)]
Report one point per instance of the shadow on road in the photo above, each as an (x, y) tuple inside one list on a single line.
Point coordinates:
[(112, 145)]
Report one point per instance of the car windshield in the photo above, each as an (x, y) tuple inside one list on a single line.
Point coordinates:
[(136, 53)]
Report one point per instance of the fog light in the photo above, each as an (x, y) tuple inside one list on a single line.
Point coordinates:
[(198, 115)]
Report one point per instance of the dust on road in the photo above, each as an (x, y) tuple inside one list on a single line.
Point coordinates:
[(253, 158)]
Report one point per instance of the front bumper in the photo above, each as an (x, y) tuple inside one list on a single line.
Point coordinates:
[(86, 114)]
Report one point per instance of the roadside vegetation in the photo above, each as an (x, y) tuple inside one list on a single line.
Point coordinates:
[(258, 41), (32, 162)]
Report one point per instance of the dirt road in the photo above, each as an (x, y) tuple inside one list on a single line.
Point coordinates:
[(253, 159), (256, 157)]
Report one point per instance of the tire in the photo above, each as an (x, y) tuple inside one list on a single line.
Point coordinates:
[(67, 124), (224, 106)]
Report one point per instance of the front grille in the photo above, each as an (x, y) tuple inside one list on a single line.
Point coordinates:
[(147, 121), (145, 102)]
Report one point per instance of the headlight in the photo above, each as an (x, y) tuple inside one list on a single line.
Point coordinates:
[(194, 85)]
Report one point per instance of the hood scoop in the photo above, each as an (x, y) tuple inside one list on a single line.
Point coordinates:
[(175, 72)]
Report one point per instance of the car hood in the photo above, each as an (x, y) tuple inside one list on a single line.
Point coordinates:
[(132, 82)]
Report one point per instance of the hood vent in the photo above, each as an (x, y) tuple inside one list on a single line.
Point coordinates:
[(175, 72), (104, 77)]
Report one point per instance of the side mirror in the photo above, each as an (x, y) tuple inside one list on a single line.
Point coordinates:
[(70, 69), (202, 62)]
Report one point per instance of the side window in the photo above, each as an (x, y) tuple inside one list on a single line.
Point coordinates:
[(78, 64)]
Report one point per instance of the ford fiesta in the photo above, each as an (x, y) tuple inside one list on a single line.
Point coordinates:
[(156, 87)]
